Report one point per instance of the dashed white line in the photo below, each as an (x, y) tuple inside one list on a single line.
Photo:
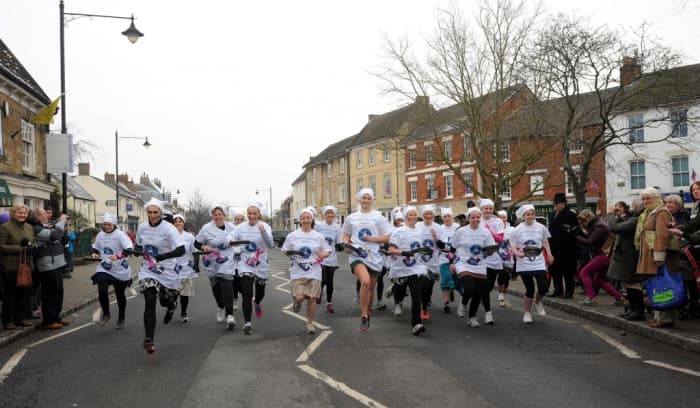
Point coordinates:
[(672, 367), (303, 318), (11, 364), (628, 352), (311, 348), (342, 387)]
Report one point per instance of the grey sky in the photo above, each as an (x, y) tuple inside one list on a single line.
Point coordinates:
[(235, 95)]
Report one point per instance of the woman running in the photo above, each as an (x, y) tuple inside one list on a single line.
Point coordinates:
[(113, 268), (506, 257), (529, 239), (468, 263), (406, 242), (447, 284), (431, 234), (307, 248), (494, 263), (363, 233), (160, 243), (238, 218), (253, 266), (397, 215), (184, 267), (334, 237), (218, 261)]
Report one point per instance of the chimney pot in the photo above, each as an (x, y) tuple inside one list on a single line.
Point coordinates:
[(630, 70), (83, 169)]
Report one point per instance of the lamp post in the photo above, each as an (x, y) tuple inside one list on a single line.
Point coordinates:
[(270, 190), (131, 33), (146, 144)]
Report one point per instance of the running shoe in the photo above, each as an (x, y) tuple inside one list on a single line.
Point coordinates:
[(364, 324), (310, 328), (329, 308), (488, 318), (388, 293), (473, 322), (418, 329), (120, 323), (446, 307), (248, 329), (539, 308), (297, 307), (149, 346), (184, 318), (588, 302), (527, 318), (220, 315), (168, 316), (460, 310), (258, 311), (235, 304), (398, 310), (501, 299), (380, 305), (425, 315), (230, 322), (104, 319)]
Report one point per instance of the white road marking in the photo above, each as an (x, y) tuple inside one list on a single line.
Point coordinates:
[(628, 352), (303, 318), (342, 387), (11, 364), (62, 333), (133, 292), (311, 348), (559, 319), (672, 367), (96, 315)]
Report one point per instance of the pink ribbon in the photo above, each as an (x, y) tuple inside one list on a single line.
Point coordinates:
[(211, 255), (254, 259)]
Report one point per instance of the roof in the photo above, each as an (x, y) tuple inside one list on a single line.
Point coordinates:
[(77, 190), (664, 87), (398, 122), (332, 151), (123, 190), (15, 71), (301, 177)]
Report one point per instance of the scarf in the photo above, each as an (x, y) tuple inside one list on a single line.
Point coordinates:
[(640, 223)]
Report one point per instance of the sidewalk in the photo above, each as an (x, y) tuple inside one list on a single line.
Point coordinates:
[(685, 334)]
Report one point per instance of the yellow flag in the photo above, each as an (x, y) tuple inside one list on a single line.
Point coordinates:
[(45, 116)]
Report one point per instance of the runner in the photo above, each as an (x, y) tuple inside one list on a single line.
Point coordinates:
[(494, 263), (447, 284), (334, 237), (528, 241), (160, 243), (507, 258), (307, 249), (113, 269), (363, 233), (253, 266), (218, 261), (184, 267), (468, 245), (238, 218), (397, 215), (431, 234)]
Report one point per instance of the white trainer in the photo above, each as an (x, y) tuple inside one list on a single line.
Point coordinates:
[(527, 318), (501, 299), (220, 315), (488, 318), (539, 308), (460, 310), (398, 309), (473, 322), (230, 322)]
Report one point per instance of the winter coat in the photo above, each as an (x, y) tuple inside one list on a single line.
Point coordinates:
[(657, 222), (623, 264), (563, 226), (597, 233), (11, 234), (49, 256)]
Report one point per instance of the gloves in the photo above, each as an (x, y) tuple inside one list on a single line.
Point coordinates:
[(489, 250), (293, 253), (159, 258), (339, 247), (24, 242), (407, 253)]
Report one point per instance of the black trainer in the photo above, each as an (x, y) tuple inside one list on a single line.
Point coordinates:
[(168, 316)]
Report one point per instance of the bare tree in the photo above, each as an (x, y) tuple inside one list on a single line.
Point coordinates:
[(199, 209)]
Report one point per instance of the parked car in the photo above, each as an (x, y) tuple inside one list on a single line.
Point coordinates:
[(278, 236)]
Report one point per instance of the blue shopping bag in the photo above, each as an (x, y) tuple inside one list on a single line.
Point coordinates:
[(665, 291)]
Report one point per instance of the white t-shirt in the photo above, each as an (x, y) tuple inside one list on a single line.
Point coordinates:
[(308, 243), (389, 259), (113, 243), (530, 235), (359, 225), (184, 264), (504, 249), (221, 260), (406, 238), (468, 243), (495, 226), (432, 261), (156, 240), (253, 255), (333, 235), (446, 237)]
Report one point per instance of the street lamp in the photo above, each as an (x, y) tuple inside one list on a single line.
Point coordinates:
[(131, 33), (270, 206), (146, 144)]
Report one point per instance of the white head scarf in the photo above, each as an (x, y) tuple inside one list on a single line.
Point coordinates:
[(472, 210), (364, 191), (180, 216), (523, 209), (256, 204), (427, 208), (446, 211), (502, 213), (110, 218), (484, 202), (326, 208), (155, 202), (307, 210), (397, 213), (407, 210)]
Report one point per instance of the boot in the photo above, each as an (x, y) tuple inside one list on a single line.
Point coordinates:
[(636, 307)]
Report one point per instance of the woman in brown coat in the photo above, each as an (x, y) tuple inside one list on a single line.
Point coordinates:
[(654, 237), (14, 235)]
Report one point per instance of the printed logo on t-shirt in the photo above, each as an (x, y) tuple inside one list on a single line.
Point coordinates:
[(363, 234), (150, 250), (306, 254), (108, 251), (329, 240), (251, 247), (409, 260), (475, 251), (177, 268), (430, 244)]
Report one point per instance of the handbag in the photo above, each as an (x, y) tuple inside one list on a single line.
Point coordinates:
[(24, 271), (665, 291), (609, 245)]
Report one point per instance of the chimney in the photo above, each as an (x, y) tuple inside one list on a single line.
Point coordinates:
[(83, 169), (124, 179), (630, 70), (423, 100), (371, 116), (109, 178), (144, 179)]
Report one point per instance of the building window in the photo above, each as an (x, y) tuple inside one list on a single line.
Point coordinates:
[(313, 174), (635, 123), (570, 182), (430, 187), (537, 185), (576, 142), (467, 149), (387, 154), (341, 193), (358, 185), (428, 154), (2, 138), (387, 185), (637, 175), (447, 150), (681, 176), (341, 165), (28, 155), (373, 183), (411, 159), (313, 198), (506, 192), (679, 123), (468, 182), (449, 186), (371, 156), (329, 169), (359, 159), (413, 188), (505, 151), (329, 198)]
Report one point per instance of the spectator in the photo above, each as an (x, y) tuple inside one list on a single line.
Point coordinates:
[(692, 308), (563, 226), (70, 248), (623, 263)]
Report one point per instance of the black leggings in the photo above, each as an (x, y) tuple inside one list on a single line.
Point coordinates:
[(168, 299), (248, 283), (328, 273), (223, 294), (380, 283), (416, 285), (119, 293), (529, 282), (184, 302), (474, 289), (236, 285)]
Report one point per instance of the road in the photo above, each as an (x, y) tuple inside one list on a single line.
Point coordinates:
[(559, 360)]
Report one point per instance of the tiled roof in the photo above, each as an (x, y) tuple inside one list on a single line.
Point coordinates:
[(393, 123), (77, 190), (665, 87), (331, 152), (301, 177), (15, 71)]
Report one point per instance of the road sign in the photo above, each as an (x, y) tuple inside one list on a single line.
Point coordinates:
[(111, 203)]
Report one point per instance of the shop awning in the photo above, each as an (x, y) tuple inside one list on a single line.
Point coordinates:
[(6, 199)]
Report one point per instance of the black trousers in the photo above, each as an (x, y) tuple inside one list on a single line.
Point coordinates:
[(223, 294), (51, 295), (13, 298), (562, 272), (248, 284), (119, 293), (416, 286), (474, 290), (327, 274)]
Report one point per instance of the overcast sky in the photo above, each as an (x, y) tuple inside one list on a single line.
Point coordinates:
[(236, 95)]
